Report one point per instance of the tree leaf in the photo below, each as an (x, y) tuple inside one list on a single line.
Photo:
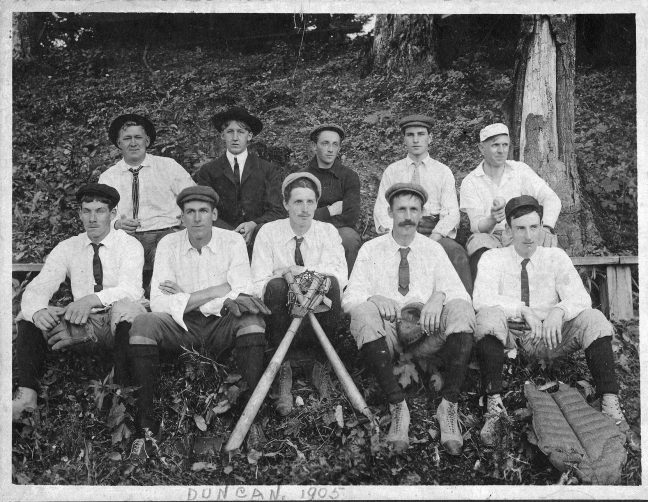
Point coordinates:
[(200, 422)]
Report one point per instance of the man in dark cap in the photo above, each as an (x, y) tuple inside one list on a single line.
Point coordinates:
[(339, 203), (440, 216), (540, 286), (392, 272), (105, 270), (147, 184), (247, 185), (199, 297)]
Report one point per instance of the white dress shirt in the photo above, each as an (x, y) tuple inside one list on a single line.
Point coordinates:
[(553, 282), (122, 259), (376, 273), (161, 179), (223, 260), (241, 158), (478, 191), (438, 181), (274, 249)]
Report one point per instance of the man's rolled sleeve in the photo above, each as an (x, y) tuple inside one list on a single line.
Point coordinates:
[(358, 288), (547, 198), (485, 292), (471, 204), (130, 275), (449, 214), (40, 290), (574, 298), (163, 270), (262, 262), (335, 265)]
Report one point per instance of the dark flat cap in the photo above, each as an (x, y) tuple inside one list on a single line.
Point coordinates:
[(301, 174), (398, 188), (326, 127), (116, 125), (240, 114), (522, 201), (415, 121), (198, 192), (98, 189)]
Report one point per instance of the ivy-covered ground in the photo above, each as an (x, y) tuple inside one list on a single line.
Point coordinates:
[(62, 106)]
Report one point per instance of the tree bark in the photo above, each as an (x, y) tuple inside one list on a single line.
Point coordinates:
[(27, 29), (541, 116), (405, 43)]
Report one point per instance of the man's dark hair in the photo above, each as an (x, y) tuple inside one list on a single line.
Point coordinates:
[(98, 198), (244, 125), (521, 211), (319, 133), (405, 192), (299, 183)]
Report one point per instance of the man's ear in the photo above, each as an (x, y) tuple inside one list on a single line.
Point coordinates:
[(390, 212), (148, 141), (113, 213), (214, 214)]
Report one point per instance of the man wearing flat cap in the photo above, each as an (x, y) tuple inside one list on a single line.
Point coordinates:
[(200, 298), (486, 190), (247, 185), (105, 270), (540, 287), (340, 200), (399, 274), (147, 184), (301, 245), (440, 216)]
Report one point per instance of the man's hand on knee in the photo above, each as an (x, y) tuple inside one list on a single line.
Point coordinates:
[(534, 322), (430, 319), (552, 328), (388, 308), (66, 334), (245, 304)]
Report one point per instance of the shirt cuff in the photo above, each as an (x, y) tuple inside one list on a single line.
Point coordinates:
[(177, 305), (212, 307)]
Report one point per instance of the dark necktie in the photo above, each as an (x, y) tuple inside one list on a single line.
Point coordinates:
[(97, 269), (403, 272), (524, 281), (237, 173), (135, 191), (299, 259)]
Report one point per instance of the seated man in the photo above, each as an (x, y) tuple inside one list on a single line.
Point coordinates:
[(496, 180), (147, 184), (541, 287), (440, 216), (391, 272), (105, 270), (298, 244), (198, 298), (247, 185), (340, 200)]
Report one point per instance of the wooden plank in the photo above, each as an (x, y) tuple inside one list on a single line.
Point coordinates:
[(594, 260), (629, 260), (618, 292), (27, 267)]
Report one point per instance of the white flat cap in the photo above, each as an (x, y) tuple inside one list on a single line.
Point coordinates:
[(493, 130)]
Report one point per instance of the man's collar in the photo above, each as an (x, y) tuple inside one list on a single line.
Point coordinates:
[(424, 160), (107, 241), (145, 162), (518, 258), (241, 157), (289, 233), (187, 246), (334, 169), (479, 170), (395, 246)]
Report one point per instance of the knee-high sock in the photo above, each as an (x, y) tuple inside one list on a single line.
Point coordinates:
[(31, 349), (120, 354), (600, 361), (377, 356), (249, 354), (457, 350), (491, 363), (144, 365)]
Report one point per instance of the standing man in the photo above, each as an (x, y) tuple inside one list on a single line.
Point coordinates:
[(199, 297), (147, 184), (399, 271), (440, 216), (540, 286), (340, 200), (298, 244), (486, 190), (105, 270), (248, 186)]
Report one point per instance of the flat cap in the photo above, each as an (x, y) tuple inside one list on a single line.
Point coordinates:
[(415, 121), (237, 113), (98, 189), (398, 188), (522, 201), (493, 130), (326, 127), (197, 192), (301, 174), (116, 125)]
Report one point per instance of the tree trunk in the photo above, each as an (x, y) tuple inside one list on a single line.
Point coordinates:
[(405, 43), (26, 32), (541, 115)]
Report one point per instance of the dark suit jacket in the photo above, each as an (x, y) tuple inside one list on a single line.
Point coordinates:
[(260, 196)]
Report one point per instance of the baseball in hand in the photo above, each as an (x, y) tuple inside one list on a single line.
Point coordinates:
[(498, 203)]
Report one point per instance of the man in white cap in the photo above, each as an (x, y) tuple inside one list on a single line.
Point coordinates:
[(299, 244), (486, 190), (440, 217)]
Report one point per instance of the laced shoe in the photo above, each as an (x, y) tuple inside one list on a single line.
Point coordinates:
[(398, 434), (24, 400), (284, 402), (451, 438), (494, 410), (256, 438), (143, 447), (322, 379), (611, 407)]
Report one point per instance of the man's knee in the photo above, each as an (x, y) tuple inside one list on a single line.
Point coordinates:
[(350, 238), (276, 291), (145, 329), (591, 324), (491, 321), (458, 317), (248, 324), (366, 323)]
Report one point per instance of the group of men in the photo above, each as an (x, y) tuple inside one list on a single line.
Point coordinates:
[(409, 290)]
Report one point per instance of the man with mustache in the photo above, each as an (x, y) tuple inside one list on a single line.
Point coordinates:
[(147, 184), (399, 271), (485, 191), (440, 216), (299, 244), (540, 286)]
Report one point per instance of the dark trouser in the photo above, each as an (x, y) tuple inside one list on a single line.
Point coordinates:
[(250, 245), (276, 298), (351, 243), (149, 241)]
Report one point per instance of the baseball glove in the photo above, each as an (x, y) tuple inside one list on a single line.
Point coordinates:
[(65, 334), (408, 329), (244, 304), (312, 286)]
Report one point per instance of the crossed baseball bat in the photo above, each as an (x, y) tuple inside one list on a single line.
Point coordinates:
[(307, 305)]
